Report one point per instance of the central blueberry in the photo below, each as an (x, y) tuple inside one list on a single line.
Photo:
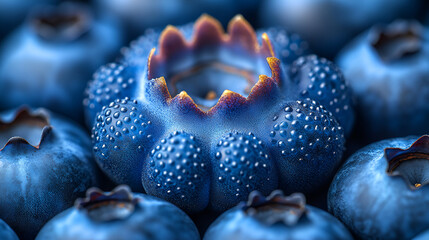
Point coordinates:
[(203, 119)]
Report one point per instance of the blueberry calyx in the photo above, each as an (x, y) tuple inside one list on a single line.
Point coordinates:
[(67, 22), (181, 75), (411, 164), (108, 206), (276, 207), (26, 127), (397, 40)]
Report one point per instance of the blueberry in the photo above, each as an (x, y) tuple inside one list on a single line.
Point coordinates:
[(120, 215), (276, 217), (228, 113), (242, 164), (12, 13), (329, 24), (46, 163), (6, 233), (388, 72), (49, 59), (382, 190)]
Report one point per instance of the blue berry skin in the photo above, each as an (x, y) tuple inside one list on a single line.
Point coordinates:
[(114, 216), (6, 233), (388, 72), (223, 94), (321, 80), (318, 224), (123, 135), (44, 168), (242, 163), (239, 224), (177, 172), (307, 143), (12, 13), (44, 64), (379, 200), (329, 24), (422, 236)]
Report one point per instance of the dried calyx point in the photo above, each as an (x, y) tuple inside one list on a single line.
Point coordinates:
[(25, 128), (276, 207), (213, 79), (108, 206), (66, 22), (411, 164), (397, 40)]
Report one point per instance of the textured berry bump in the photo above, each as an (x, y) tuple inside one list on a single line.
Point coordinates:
[(202, 120), (122, 136)]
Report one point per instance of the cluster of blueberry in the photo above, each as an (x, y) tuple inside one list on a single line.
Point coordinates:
[(201, 130)]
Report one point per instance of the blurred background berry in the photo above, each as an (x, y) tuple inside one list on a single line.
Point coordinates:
[(12, 13), (329, 24), (47, 61), (138, 15)]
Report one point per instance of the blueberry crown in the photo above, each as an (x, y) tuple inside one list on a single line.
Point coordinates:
[(208, 32), (67, 22), (108, 206), (419, 150), (397, 40), (276, 207), (26, 127)]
